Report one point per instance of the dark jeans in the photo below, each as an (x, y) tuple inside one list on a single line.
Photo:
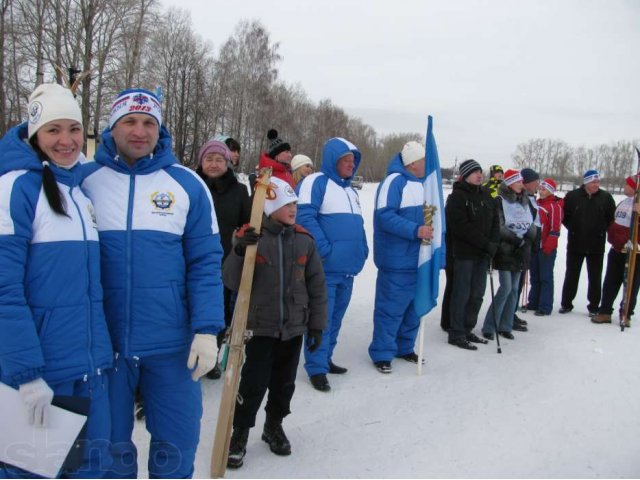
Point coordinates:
[(230, 297), (469, 285), (445, 314), (612, 281), (270, 364), (541, 276), (572, 277)]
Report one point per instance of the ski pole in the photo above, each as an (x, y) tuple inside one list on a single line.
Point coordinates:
[(493, 310)]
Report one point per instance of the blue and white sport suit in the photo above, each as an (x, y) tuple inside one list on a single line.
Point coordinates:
[(161, 273), (52, 322), (397, 218), (329, 208)]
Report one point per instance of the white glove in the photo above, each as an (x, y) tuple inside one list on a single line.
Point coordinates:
[(37, 397), (203, 355)]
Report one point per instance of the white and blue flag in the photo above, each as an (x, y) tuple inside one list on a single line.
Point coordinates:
[(432, 257)]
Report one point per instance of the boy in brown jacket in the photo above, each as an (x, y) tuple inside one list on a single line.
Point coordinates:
[(288, 299)]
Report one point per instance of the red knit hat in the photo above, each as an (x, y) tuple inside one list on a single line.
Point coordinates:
[(512, 176), (549, 184), (631, 181)]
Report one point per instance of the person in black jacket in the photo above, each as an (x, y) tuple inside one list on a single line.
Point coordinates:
[(473, 227), (233, 209), (588, 212)]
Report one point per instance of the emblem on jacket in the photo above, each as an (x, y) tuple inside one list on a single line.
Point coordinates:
[(163, 202), (92, 215)]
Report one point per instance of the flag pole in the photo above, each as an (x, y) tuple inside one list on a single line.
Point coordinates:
[(421, 344)]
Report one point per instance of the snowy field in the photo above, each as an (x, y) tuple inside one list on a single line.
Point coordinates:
[(561, 401)]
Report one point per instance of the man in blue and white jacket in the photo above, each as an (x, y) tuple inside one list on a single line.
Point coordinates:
[(161, 274), (398, 231), (329, 208)]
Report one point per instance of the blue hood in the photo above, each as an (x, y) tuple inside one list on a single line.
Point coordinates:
[(161, 157), (17, 154), (396, 166), (331, 153)]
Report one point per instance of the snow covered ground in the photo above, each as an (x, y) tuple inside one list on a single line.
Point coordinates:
[(561, 401)]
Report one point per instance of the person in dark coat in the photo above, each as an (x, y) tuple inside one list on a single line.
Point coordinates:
[(473, 226), (288, 300), (517, 234), (588, 212), (232, 206)]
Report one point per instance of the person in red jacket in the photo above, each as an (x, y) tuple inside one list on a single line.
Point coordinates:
[(618, 235), (278, 156), (550, 210)]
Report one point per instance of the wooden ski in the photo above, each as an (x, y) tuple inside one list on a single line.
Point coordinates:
[(231, 377), (632, 251)]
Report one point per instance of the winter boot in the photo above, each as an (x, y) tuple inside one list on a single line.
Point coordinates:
[(237, 447), (601, 318), (274, 435)]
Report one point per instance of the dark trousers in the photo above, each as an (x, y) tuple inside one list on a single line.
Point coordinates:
[(230, 297), (572, 277), (469, 284), (613, 279), (270, 364), (445, 314), (541, 276)]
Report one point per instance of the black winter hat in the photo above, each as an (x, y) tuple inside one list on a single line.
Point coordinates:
[(468, 167), (529, 175), (276, 145)]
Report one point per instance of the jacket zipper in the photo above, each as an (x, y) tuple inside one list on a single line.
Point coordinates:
[(129, 254)]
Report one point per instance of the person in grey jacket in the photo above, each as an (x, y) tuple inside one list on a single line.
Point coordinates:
[(288, 300)]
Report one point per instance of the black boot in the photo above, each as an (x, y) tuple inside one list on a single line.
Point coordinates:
[(237, 447), (274, 435)]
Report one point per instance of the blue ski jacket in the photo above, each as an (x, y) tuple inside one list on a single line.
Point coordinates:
[(160, 250), (52, 322), (329, 208), (397, 217)]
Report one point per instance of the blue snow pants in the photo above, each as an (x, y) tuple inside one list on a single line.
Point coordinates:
[(339, 288), (172, 407), (395, 322), (97, 458), (541, 275)]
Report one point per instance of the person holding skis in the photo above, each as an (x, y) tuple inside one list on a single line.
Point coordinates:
[(53, 333), (329, 208), (398, 231), (473, 225), (619, 235), (588, 212), (517, 233), (161, 272), (288, 299), (542, 263)]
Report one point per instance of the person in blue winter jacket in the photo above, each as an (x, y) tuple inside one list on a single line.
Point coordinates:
[(53, 334), (161, 273), (398, 231), (329, 208)]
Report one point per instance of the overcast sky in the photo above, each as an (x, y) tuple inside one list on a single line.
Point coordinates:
[(492, 73)]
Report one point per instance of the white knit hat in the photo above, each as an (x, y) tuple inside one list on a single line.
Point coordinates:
[(300, 160), (135, 100), (412, 152), (284, 195), (49, 102)]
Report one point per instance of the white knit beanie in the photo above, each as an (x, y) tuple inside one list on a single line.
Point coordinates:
[(49, 102), (300, 160), (412, 152), (284, 195)]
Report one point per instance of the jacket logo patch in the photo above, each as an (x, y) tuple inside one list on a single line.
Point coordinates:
[(92, 215), (163, 203)]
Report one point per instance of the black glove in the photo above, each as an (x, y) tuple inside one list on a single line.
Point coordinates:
[(245, 238), (491, 249), (314, 339)]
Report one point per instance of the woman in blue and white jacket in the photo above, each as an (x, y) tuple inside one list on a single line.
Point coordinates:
[(329, 208), (53, 333)]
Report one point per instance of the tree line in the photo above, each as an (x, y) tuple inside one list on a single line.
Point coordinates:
[(234, 90)]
